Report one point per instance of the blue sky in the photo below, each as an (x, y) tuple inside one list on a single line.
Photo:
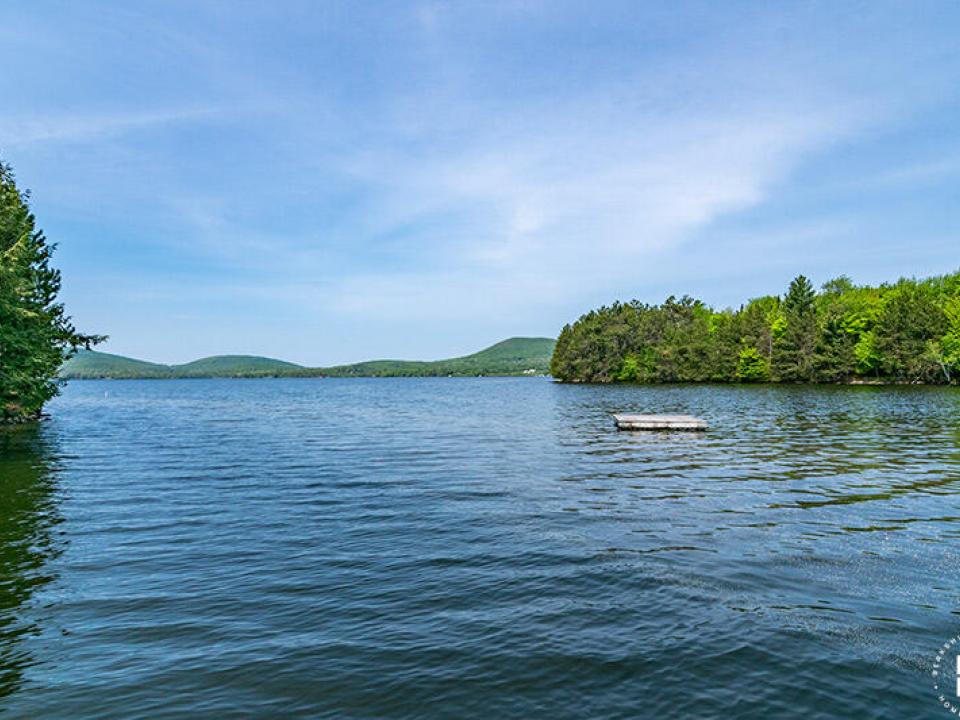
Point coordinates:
[(329, 182)]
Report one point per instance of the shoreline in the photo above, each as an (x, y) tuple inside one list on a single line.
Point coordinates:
[(615, 383)]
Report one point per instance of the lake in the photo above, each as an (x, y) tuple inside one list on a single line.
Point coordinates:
[(477, 548)]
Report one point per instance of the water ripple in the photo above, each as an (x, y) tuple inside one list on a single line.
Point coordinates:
[(474, 548)]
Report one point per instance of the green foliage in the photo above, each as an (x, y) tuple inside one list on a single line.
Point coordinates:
[(36, 335), (836, 336), (838, 286), (752, 366), (905, 332), (630, 371), (778, 323), (638, 367), (516, 356), (792, 358), (910, 319), (950, 342), (865, 353)]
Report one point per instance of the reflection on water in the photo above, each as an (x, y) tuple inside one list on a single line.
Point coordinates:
[(28, 540), (478, 548)]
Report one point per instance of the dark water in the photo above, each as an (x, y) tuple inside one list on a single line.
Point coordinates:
[(477, 548)]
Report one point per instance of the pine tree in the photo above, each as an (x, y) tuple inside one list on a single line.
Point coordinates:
[(834, 358), (792, 359), (36, 335), (909, 326)]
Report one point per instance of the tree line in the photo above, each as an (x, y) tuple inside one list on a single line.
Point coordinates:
[(904, 332), (36, 335)]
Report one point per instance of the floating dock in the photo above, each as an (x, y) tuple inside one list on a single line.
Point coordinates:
[(659, 422)]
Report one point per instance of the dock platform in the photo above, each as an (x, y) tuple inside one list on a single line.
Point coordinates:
[(659, 422)]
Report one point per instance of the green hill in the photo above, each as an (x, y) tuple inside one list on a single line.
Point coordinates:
[(89, 364), (516, 356), (235, 366)]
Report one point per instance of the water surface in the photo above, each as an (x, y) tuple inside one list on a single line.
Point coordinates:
[(407, 548)]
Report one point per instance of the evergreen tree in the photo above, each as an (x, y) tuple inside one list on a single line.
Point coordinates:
[(793, 353), (909, 327), (36, 335), (833, 356)]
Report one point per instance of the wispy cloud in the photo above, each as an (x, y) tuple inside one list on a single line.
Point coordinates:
[(92, 126), (578, 197)]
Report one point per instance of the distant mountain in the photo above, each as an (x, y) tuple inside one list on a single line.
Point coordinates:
[(235, 366), (89, 364), (516, 356)]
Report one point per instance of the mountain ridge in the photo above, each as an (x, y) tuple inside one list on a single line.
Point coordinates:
[(513, 356)]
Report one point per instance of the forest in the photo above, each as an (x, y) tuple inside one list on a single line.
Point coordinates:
[(906, 331)]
